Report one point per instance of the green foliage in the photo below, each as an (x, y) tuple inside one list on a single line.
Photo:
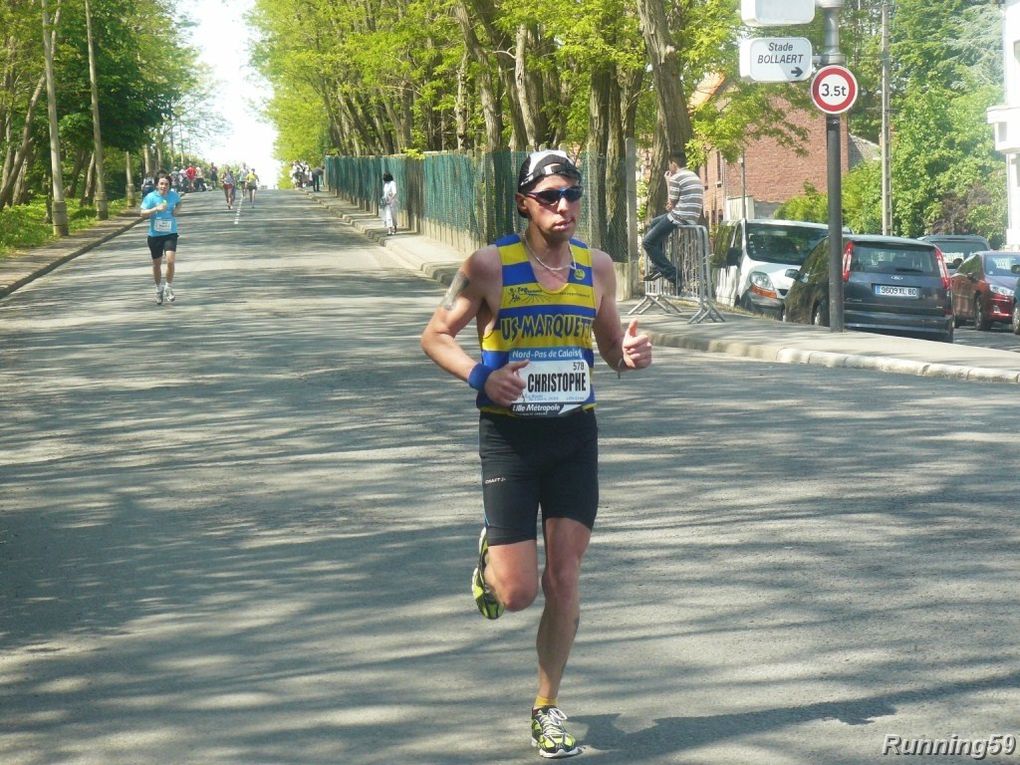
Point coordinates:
[(862, 198), (144, 74), (943, 155), (810, 206), (25, 226)]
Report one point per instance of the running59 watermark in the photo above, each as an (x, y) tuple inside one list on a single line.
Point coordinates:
[(975, 748)]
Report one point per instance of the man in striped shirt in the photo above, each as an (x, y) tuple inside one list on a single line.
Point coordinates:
[(685, 200)]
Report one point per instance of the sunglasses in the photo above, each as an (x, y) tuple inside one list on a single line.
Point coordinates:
[(553, 196)]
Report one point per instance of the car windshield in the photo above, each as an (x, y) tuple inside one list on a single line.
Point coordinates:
[(894, 259), (1002, 264), (953, 250), (789, 244)]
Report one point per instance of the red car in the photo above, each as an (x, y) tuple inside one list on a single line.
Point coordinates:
[(983, 288)]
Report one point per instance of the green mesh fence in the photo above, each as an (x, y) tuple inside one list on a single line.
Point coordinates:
[(473, 193)]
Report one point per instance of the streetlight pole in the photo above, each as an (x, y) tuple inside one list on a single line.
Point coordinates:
[(832, 55)]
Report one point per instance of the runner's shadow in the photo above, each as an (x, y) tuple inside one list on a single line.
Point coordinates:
[(678, 734)]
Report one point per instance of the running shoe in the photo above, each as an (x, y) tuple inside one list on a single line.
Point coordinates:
[(484, 599), (548, 735), (168, 293), (159, 295)]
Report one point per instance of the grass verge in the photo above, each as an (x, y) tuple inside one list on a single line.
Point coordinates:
[(24, 226)]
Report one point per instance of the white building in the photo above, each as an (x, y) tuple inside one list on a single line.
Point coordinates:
[(1005, 118)]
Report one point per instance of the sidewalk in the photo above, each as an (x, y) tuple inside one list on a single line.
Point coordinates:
[(16, 272), (739, 335)]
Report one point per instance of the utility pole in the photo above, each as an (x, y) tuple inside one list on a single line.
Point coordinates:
[(102, 211), (60, 221), (884, 139), (832, 55)]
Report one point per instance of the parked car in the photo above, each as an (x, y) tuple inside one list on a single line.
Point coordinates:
[(984, 288), (890, 285), (956, 248), (750, 259)]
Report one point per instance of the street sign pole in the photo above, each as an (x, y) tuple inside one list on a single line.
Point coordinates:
[(831, 55), (835, 194)]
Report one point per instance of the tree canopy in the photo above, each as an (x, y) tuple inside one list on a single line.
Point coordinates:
[(144, 75)]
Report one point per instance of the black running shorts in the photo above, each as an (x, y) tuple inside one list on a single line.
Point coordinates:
[(529, 463), (158, 245)]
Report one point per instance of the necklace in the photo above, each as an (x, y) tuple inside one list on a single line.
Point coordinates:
[(554, 269)]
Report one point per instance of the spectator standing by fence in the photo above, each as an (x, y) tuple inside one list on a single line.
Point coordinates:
[(388, 203)]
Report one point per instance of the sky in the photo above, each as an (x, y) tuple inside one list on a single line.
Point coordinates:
[(224, 43)]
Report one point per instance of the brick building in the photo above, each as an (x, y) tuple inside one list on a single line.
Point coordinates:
[(768, 174)]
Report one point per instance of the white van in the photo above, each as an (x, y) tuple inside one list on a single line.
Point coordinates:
[(750, 259)]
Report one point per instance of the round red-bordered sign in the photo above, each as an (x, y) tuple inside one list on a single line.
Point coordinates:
[(834, 89)]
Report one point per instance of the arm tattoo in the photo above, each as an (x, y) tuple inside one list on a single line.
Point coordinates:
[(457, 286)]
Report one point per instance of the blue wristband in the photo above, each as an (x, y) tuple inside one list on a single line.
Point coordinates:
[(478, 376)]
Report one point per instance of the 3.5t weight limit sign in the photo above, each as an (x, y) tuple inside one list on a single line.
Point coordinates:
[(834, 89)]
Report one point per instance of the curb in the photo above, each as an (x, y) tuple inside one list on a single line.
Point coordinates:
[(833, 360), (444, 272), (45, 268)]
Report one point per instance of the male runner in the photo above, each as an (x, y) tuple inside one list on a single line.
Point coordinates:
[(161, 207), (537, 299)]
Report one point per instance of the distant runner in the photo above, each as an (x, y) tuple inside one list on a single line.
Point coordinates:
[(251, 185), (228, 187), (161, 207)]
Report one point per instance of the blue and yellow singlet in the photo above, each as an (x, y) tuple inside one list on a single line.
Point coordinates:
[(551, 329)]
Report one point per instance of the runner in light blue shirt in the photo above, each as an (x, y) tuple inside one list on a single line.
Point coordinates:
[(161, 207)]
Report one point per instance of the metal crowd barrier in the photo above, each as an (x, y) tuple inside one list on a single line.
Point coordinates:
[(687, 248)]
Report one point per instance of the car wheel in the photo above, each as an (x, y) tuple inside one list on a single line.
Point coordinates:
[(820, 315), (957, 321), (1015, 323), (980, 320), (746, 304)]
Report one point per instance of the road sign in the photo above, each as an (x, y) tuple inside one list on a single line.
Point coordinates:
[(775, 59), (834, 89), (776, 13)]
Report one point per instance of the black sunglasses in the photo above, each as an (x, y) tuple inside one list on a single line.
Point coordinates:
[(553, 196)]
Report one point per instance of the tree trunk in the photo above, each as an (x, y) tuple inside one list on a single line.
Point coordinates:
[(460, 109), (616, 180), (529, 89), (7, 191), (674, 121), (599, 96), (90, 181), (9, 150), (491, 110), (79, 164), (60, 221), (102, 211), (19, 194)]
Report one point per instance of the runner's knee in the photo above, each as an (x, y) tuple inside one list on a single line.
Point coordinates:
[(517, 595)]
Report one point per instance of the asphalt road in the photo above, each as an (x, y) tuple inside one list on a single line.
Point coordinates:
[(239, 529), (999, 336)]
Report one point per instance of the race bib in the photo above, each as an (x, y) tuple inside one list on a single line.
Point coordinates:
[(163, 225), (556, 381)]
